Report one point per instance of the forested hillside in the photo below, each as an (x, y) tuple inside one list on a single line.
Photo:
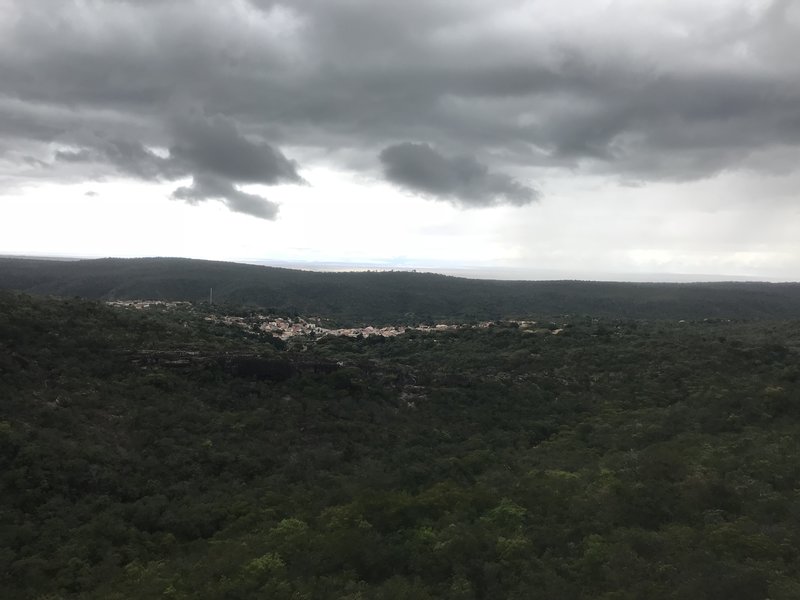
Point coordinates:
[(155, 454), (393, 297)]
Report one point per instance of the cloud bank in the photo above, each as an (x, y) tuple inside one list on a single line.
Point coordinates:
[(222, 92)]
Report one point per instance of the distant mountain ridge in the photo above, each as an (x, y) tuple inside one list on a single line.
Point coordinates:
[(391, 297)]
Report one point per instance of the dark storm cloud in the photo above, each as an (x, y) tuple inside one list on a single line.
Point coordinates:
[(461, 179), (668, 91), (211, 150), (215, 146)]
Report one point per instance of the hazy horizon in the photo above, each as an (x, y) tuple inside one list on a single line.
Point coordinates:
[(594, 139), (465, 271)]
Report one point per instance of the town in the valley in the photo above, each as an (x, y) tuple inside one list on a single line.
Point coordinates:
[(289, 327)]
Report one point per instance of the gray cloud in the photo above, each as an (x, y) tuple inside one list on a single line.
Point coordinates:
[(460, 179), (211, 188), (666, 92), (129, 158), (211, 150), (215, 146)]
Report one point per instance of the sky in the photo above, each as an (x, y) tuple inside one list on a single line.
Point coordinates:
[(602, 139)]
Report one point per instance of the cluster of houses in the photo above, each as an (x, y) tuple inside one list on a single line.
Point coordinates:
[(149, 303), (286, 328)]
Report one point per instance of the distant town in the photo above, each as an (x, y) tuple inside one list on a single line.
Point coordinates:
[(289, 327)]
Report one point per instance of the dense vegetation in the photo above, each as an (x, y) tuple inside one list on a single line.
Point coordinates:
[(617, 459), (393, 297)]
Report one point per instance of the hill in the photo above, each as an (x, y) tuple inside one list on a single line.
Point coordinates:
[(612, 460), (392, 297)]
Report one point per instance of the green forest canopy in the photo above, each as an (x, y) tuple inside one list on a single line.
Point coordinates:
[(153, 453)]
